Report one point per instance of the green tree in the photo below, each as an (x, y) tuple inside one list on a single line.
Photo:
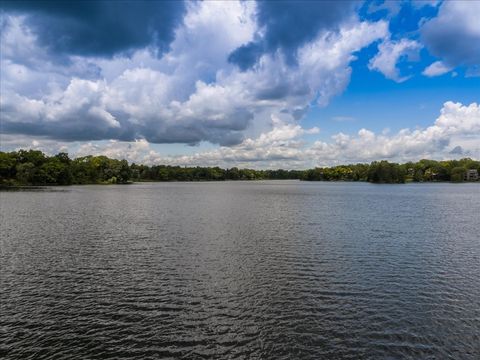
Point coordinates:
[(457, 174), (25, 173)]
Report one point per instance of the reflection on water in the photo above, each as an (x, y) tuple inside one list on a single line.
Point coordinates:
[(271, 270), (32, 188)]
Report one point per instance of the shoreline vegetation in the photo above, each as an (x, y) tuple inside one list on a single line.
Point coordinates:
[(34, 168)]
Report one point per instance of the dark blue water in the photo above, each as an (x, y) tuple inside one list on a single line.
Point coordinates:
[(247, 270)]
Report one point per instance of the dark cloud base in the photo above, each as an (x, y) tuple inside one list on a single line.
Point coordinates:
[(100, 28), (290, 24), (90, 129)]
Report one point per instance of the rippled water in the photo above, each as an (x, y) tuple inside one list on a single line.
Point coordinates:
[(270, 270)]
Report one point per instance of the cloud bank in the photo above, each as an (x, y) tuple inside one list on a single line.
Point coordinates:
[(119, 78), (456, 132), (186, 96)]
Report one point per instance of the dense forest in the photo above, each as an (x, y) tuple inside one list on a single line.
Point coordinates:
[(32, 167)]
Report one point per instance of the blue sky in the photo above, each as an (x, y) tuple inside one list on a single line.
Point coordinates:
[(370, 98), (263, 84)]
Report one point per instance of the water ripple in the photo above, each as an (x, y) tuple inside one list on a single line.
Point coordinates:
[(264, 270)]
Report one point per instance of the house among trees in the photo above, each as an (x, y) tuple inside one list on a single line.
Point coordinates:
[(471, 175)]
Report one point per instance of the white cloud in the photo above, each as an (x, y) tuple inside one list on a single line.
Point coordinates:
[(187, 96), (133, 151), (390, 53), (457, 125), (191, 95), (135, 97), (454, 34), (436, 69), (284, 146)]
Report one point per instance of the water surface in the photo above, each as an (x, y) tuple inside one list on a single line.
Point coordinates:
[(266, 270)]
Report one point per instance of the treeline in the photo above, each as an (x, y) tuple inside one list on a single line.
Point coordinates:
[(32, 167), (387, 172)]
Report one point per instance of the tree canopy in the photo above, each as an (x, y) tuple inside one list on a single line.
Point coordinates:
[(32, 167)]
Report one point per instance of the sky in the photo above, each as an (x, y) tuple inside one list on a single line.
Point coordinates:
[(258, 84)]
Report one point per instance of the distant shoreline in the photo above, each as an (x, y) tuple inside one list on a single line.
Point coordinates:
[(34, 168)]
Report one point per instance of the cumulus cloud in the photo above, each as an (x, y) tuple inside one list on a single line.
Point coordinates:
[(100, 28), (162, 100), (457, 125), (436, 69), (456, 132), (133, 151), (285, 26), (186, 96), (454, 35), (145, 89), (390, 53)]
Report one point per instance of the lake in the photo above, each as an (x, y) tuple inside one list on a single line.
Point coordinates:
[(244, 270)]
